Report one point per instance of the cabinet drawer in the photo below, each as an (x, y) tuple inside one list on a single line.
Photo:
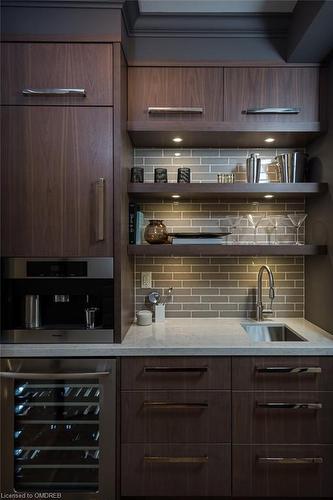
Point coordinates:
[(48, 67), (178, 417), (283, 373), (248, 91), (175, 373), (196, 92), (283, 471), (286, 417), (176, 470)]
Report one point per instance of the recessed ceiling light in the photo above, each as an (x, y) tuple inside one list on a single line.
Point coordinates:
[(269, 196), (177, 154), (177, 139), (270, 139), (175, 196)]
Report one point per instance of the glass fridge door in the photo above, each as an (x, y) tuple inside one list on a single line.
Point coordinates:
[(62, 437)]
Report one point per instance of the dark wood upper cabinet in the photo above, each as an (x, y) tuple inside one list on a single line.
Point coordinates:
[(197, 91), (54, 202), (45, 68), (249, 91)]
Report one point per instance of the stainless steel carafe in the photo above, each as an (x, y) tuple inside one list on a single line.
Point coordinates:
[(32, 312), (253, 169), (291, 166)]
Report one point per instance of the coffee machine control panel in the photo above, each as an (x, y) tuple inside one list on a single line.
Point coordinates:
[(57, 269)]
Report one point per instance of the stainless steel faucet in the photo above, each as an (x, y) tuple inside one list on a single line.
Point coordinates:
[(260, 308)]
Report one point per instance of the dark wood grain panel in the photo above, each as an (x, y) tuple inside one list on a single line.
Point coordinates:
[(160, 86), (182, 374), (257, 425), (141, 478), (246, 88), (61, 65), (251, 479), (178, 417), (51, 159), (245, 376)]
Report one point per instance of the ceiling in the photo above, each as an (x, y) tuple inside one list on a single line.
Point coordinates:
[(216, 6)]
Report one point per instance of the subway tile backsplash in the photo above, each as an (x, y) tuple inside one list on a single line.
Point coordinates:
[(220, 286)]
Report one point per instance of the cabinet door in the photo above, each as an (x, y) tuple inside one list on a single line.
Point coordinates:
[(52, 159), (199, 91), (282, 471), (47, 67), (257, 88), (176, 470)]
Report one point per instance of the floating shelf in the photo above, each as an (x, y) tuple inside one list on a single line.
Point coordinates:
[(208, 190), (225, 250)]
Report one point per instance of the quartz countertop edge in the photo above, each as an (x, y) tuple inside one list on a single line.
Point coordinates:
[(189, 337)]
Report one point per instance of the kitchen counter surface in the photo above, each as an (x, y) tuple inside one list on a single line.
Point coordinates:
[(189, 337)]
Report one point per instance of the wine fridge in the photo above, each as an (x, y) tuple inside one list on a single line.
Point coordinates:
[(58, 427)]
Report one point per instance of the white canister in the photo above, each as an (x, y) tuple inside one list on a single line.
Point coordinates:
[(144, 317), (159, 313)]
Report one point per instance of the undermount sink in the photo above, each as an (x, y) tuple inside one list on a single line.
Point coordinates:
[(271, 333)]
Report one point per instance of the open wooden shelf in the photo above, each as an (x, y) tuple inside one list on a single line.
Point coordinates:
[(225, 250), (150, 190)]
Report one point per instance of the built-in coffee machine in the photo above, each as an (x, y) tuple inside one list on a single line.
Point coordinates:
[(57, 300)]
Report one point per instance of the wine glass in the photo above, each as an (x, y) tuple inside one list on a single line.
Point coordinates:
[(254, 221), (233, 223), (274, 221), (297, 221)]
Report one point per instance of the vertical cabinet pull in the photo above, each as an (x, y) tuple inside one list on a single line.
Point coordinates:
[(54, 92), (100, 208), (295, 370)]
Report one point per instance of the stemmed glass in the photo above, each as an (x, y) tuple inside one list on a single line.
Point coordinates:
[(233, 223), (254, 221), (297, 221), (274, 221)]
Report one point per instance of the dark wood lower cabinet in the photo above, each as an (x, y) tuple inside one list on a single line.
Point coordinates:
[(176, 416), (176, 470), (282, 417), (258, 471)]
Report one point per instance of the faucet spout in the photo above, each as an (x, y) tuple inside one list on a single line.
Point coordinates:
[(259, 305)]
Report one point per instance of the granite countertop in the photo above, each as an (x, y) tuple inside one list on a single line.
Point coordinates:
[(189, 337)]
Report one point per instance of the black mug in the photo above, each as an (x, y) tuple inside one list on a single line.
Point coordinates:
[(161, 175), (137, 174), (184, 175)]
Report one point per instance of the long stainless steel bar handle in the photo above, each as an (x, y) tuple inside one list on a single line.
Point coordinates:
[(53, 376), (177, 460), (100, 208), (288, 369), (272, 111), (291, 406), (54, 92), (175, 369), (173, 405), (175, 109), (291, 461)]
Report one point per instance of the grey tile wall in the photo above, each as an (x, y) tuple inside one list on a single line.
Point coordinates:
[(220, 286)]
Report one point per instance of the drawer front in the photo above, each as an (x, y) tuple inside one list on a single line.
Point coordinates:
[(283, 471), (282, 417), (44, 68), (248, 91), (176, 470), (178, 417), (175, 373), (191, 94), (282, 373)]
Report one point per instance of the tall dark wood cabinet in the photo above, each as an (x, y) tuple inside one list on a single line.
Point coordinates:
[(57, 155), (57, 181)]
